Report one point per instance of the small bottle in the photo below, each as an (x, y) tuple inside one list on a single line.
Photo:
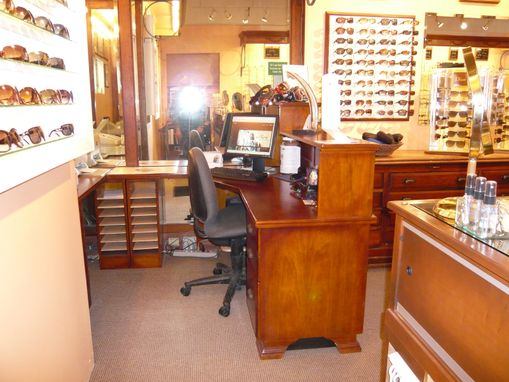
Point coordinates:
[(475, 207), (489, 212), (463, 203)]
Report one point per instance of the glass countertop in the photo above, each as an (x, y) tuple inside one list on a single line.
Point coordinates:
[(500, 244)]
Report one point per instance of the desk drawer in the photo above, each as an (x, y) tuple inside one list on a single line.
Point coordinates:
[(418, 195), (463, 308), (500, 176), (427, 181)]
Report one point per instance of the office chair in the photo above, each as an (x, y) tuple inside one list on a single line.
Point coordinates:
[(222, 227), (195, 140)]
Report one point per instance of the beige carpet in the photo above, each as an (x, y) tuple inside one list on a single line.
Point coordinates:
[(145, 330)]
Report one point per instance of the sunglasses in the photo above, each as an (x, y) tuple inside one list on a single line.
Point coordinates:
[(409, 42), (61, 30), (459, 144), (386, 62), (365, 62), (342, 20), (362, 72), (361, 102), (454, 113), (344, 51), (363, 32), (387, 32), (385, 82), (9, 95), (387, 42), (345, 113), (44, 23), (51, 97), (345, 82), (35, 134), (407, 32), (343, 71), (344, 30), (364, 41), (365, 20), (410, 22), (29, 96), (345, 102), (342, 40), (365, 52), (6, 6), (363, 83), (66, 130), (346, 92), (384, 112), (56, 63), (39, 58), (387, 52), (7, 139), (23, 14), (389, 22), (341, 61), (385, 92), (384, 102), (364, 93), (14, 52)]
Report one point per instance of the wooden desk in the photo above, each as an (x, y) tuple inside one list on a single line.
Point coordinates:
[(307, 266)]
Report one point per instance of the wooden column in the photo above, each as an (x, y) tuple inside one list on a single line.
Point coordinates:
[(297, 22)]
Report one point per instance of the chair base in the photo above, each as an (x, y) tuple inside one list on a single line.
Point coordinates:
[(234, 276)]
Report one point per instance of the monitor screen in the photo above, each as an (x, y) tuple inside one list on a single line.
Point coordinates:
[(252, 135), (226, 127)]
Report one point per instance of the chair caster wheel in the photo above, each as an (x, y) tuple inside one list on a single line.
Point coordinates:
[(185, 291), (224, 310), (217, 271)]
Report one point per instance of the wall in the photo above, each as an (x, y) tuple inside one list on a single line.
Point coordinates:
[(416, 137), (44, 322), (222, 39)]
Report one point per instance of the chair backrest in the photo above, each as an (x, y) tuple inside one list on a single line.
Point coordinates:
[(202, 190), (195, 140)]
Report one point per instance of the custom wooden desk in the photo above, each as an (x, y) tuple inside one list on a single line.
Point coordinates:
[(307, 266)]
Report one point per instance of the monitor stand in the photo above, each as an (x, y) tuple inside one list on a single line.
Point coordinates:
[(258, 165)]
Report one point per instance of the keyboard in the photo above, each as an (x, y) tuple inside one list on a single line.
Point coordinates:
[(238, 174)]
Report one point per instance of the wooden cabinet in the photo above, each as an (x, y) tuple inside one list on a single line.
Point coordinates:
[(128, 224), (414, 175), (449, 298)]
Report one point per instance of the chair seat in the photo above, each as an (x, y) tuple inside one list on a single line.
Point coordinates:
[(229, 223)]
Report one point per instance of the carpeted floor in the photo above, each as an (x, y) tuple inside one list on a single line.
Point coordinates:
[(145, 330)]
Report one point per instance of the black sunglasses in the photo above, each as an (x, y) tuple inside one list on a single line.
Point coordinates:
[(67, 129)]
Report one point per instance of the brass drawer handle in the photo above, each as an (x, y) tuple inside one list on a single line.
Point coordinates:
[(250, 254), (409, 271), (250, 293), (461, 179), (408, 180), (505, 177)]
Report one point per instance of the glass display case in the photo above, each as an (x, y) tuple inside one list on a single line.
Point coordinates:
[(499, 109), (45, 105)]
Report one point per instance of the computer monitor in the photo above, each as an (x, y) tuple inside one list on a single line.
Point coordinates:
[(253, 137)]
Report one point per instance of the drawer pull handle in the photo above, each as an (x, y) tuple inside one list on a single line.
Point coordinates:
[(408, 180), (406, 198), (250, 293), (461, 179), (250, 254), (505, 177), (409, 270)]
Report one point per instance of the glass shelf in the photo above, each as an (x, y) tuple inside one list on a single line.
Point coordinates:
[(500, 244)]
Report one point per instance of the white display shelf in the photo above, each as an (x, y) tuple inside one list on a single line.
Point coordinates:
[(22, 164), (144, 237), (144, 212), (114, 239), (144, 229), (141, 220), (116, 203), (112, 212), (112, 230)]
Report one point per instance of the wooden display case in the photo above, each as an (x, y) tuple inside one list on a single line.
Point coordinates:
[(66, 102)]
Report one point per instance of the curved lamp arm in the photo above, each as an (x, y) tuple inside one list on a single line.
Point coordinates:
[(313, 104)]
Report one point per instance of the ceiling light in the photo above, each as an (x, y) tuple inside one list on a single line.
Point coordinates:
[(212, 15), (264, 17), (245, 20), (227, 14)]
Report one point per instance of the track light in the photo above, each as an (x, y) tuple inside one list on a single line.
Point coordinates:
[(212, 15), (227, 14), (264, 17), (245, 20), (463, 23), (440, 24)]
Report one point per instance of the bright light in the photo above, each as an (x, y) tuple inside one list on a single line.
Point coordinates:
[(463, 25), (190, 99)]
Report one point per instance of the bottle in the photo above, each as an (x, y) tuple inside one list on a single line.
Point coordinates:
[(463, 203), (489, 212), (475, 207)]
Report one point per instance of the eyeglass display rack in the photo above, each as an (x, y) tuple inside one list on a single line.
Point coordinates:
[(21, 164), (128, 224), (451, 109), (373, 55), (499, 109)]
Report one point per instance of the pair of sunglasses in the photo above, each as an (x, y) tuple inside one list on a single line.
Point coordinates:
[(66, 130), (18, 52), (40, 21), (7, 139)]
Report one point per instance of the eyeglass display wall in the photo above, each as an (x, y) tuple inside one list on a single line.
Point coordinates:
[(451, 109), (373, 55), (45, 104)]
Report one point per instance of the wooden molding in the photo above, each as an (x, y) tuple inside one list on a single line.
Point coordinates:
[(481, 1)]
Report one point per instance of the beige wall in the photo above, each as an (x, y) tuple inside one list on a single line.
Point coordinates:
[(416, 137), (44, 321)]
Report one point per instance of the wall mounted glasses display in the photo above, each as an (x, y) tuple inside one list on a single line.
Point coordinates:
[(373, 55), (44, 89)]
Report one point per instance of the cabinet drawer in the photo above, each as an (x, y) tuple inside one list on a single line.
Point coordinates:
[(428, 181), (459, 305), (377, 199), (500, 176), (375, 237), (418, 195), (378, 180)]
